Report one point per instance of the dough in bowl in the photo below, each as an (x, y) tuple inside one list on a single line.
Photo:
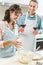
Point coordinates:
[(25, 57)]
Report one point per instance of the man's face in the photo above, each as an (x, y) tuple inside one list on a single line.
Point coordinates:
[(32, 7)]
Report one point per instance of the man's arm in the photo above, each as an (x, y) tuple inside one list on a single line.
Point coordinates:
[(39, 29), (39, 22), (21, 19)]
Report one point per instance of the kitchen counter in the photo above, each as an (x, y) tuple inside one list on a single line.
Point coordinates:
[(14, 60)]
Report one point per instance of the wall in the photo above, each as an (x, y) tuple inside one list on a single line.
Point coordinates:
[(24, 9), (3, 8), (39, 11)]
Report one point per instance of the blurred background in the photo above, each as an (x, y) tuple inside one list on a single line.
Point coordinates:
[(4, 4)]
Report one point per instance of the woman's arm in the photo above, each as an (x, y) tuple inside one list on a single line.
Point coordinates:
[(6, 43), (13, 41)]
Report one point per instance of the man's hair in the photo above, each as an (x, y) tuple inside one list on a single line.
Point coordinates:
[(34, 1)]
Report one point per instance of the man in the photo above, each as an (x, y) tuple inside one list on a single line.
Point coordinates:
[(32, 20)]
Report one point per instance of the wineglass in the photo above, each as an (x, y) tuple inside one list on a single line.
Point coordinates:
[(35, 28), (23, 25)]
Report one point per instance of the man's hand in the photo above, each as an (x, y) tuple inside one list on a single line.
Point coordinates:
[(35, 32), (21, 29)]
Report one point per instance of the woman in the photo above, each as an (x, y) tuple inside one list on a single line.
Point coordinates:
[(9, 32)]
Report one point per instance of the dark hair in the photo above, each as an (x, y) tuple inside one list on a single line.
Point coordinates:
[(12, 8), (34, 1), (7, 16)]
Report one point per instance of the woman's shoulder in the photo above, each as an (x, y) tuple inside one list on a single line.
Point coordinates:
[(2, 25), (1, 22)]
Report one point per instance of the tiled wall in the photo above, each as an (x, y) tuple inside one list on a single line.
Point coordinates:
[(3, 8)]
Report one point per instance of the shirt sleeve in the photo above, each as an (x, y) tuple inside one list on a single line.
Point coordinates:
[(21, 19), (2, 26), (39, 21), (1, 33), (1, 44)]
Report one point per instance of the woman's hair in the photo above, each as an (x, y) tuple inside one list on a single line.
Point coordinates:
[(7, 16), (12, 8)]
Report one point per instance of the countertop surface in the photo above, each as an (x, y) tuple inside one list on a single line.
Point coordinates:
[(14, 60)]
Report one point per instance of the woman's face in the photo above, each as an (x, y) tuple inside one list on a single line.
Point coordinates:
[(32, 7), (14, 16)]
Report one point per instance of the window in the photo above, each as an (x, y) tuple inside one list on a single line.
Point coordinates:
[(40, 7)]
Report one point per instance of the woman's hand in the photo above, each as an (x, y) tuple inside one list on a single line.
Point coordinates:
[(17, 43)]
